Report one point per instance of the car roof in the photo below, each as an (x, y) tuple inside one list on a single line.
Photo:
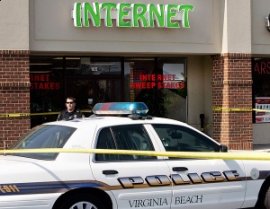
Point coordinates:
[(113, 120), (104, 121)]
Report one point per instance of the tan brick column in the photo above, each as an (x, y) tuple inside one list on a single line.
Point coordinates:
[(232, 100), (14, 94)]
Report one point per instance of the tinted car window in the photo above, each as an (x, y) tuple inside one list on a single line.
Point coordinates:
[(43, 136), (106, 141), (128, 137), (178, 138)]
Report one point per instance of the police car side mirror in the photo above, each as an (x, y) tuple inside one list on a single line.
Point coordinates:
[(223, 148)]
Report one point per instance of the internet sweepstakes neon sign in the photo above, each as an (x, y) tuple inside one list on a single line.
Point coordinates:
[(131, 15)]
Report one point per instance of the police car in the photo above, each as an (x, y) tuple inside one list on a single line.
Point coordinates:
[(100, 180)]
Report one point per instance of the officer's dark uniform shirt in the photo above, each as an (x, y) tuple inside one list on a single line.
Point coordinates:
[(65, 115)]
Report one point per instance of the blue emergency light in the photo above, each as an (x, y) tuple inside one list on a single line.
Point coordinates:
[(120, 108)]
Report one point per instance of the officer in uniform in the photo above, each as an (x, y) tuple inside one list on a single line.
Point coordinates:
[(70, 112)]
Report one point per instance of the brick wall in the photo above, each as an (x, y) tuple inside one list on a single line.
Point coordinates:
[(14, 95), (232, 100)]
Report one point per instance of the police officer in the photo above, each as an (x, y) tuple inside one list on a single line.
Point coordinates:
[(70, 112)]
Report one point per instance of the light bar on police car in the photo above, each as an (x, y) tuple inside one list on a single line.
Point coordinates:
[(120, 108)]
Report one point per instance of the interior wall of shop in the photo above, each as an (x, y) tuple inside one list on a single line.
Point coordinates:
[(260, 48)]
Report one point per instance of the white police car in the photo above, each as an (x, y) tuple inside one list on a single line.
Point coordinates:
[(125, 181)]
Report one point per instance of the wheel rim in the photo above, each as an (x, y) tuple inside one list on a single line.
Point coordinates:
[(83, 205)]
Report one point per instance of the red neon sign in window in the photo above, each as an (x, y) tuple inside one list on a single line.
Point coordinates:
[(42, 81), (160, 81)]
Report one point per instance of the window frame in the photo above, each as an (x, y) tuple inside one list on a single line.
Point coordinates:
[(215, 145), (114, 135)]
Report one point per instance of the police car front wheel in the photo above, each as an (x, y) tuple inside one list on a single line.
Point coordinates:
[(81, 202), (267, 199)]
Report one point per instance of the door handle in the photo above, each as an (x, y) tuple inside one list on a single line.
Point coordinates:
[(179, 169), (109, 172)]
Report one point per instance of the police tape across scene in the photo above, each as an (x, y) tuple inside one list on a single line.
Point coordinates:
[(15, 115), (215, 109), (238, 109), (236, 155)]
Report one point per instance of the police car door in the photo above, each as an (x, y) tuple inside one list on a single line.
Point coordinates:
[(201, 183), (135, 181)]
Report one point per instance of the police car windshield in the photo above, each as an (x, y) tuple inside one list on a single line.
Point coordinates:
[(44, 136)]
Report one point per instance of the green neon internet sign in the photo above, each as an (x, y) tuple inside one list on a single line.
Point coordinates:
[(131, 15)]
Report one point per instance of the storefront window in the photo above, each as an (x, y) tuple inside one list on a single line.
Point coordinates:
[(160, 83), (46, 76), (89, 79), (261, 89)]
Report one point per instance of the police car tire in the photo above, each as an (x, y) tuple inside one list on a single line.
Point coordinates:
[(266, 201), (82, 201)]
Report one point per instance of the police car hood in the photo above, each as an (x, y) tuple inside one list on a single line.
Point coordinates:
[(15, 169)]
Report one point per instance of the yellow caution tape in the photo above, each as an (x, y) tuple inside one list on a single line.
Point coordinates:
[(215, 109), (15, 115), (237, 155), (236, 109)]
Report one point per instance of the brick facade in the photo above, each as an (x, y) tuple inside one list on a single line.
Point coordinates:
[(14, 95), (232, 100)]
